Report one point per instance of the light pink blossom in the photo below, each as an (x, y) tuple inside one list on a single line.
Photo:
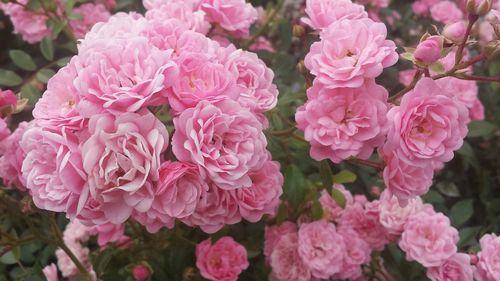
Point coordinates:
[(455, 268), (393, 216), (429, 50), (446, 12), (50, 272), (91, 14), (322, 13), (488, 267), (107, 233), (7, 100), (273, 234), (235, 16), (12, 156), (357, 253), (286, 263), (31, 26), (184, 11)]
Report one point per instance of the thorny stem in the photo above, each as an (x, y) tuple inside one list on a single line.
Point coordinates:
[(265, 25)]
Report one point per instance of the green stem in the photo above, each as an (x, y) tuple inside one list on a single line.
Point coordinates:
[(264, 26)]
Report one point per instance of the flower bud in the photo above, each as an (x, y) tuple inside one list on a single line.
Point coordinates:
[(455, 32), (141, 272), (8, 101), (478, 7), (298, 31), (429, 50)]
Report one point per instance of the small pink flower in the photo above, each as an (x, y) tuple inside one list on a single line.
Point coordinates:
[(464, 91), (235, 16), (31, 26), (421, 7), (455, 31), (273, 234), (429, 239), (331, 209), (429, 50), (4, 129), (286, 263), (456, 268), (12, 156), (50, 272), (446, 12), (350, 51), (393, 216), (262, 44), (91, 14), (107, 233), (322, 13), (222, 261), (141, 272), (7, 99), (321, 248), (182, 10), (357, 253), (488, 267), (477, 111)]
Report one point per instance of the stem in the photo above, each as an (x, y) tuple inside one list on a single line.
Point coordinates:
[(464, 76), (264, 26), (379, 166), (285, 132), (408, 88), (461, 47)]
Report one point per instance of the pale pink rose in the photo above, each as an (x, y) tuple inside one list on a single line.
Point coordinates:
[(7, 100), (429, 50), (223, 139), (322, 13), (350, 51), (286, 263), (429, 239), (122, 159), (486, 32), (53, 169), (262, 44), (406, 76), (75, 231), (50, 272), (455, 268), (192, 43), (222, 261), (119, 75), (254, 81), (330, 207), (164, 34), (376, 3), (155, 4), (154, 220), (455, 31), (428, 124), (421, 7), (446, 12), (357, 253), (216, 208), (344, 122), (464, 91), (235, 16), (107, 233), (488, 267), (393, 216), (57, 106), (66, 265), (185, 11), (4, 129), (263, 197), (178, 190), (321, 248), (141, 272), (12, 156), (31, 26), (91, 14), (272, 235), (477, 111)]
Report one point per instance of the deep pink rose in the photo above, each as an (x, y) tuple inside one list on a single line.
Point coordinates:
[(141, 272), (272, 235), (286, 263), (488, 267), (91, 14), (350, 51), (12, 156), (50, 272), (122, 159), (321, 248), (446, 12), (322, 13), (223, 139), (344, 122), (235, 16), (429, 239), (222, 261), (455, 268)]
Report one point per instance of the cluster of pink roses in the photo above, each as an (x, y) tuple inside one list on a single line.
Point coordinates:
[(98, 151), (32, 25)]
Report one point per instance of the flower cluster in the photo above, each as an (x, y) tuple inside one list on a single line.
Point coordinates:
[(99, 149)]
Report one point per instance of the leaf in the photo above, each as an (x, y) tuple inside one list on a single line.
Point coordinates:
[(468, 235), (63, 62), (437, 67), (481, 129), (294, 186), (433, 197), (344, 176), (22, 60), (56, 26), (282, 214), (407, 56), (9, 78), (316, 209), (47, 48), (448, 188), (326, 174), (68, 6), (11, 257), (31, 93), (252, 254), (461, 212), (44, 75), (339, 198)]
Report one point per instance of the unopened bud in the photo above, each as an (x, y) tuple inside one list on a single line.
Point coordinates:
[(429, 50), (455, 32), (492, 49), (478, 7), (141, 272), (298, 31)]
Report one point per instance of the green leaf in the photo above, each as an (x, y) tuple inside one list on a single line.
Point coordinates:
[(22, 60), (437, 67), (68, 6), (481, 129), (316, 209), (44, 75), (448, 188), (461, 212), (339, 198), (252, 254), (407, 56), (11, 257), (294, 186), (47, 48), (56, 26), (31, 93), (282, 214), (63, 62), (344, 176), (326, 174), (75, 16), (468, 235), (9, 78)]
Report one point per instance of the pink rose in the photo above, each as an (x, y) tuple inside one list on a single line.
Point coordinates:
[(321, 248), (182, 10), (357, 253), (464, 91), (455, 31), (8, 100), (12, 156), (222, 261), (429, 50), (31, 26), (477, 111), (4, 129), (91, 14), (107, 233), (286, 263), (235, 16), (488, 267), (122, 159), (446, 12), (330, 207), (393, 216), (421, 7), (223, 139), (141, 272), (153, 220), (50, 272), (350, 51), (263, 197), (344, 122), (322, 13), (428, 124), (262, 44), (406, 76), (163, 34), (456, 268), (429, 239), (273, 234)]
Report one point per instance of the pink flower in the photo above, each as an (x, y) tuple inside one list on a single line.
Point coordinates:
[(357, 253), (235, 16), (273, 234), (455, 268), (4, 129), (428, 125), (393, 216), (122, 158), (344, 122), (376, 3), (178, 190), (7, 100), (53, 169), (488, 268), (263, 197), (331, 209), (11, 158), (406, 76), (321, 248), (222, 261), (349, 52), (91, 14), (164, 34), (184, 11), (107, 233), (286, 263), (223, 139), (66, 265), (421, 7), (446, 12), (429, 50), (477, 111), (322, 13), (141, 272), (31, 26), (429, 239), (464, 91), (50, 272), (154, 220), (122, 75), (262, 44), (455, 31)]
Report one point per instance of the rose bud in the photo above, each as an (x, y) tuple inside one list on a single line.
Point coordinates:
[(455, 32), (478, 7), (429, 50)]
